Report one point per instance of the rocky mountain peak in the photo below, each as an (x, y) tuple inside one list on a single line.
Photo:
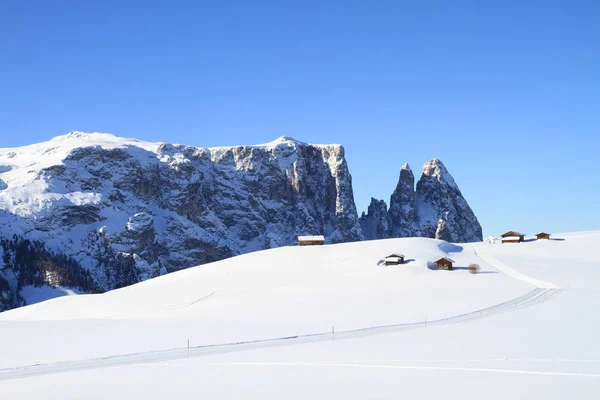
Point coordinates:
[(374, 224), (285, 140), (282, 139), (402, 215), (435, 209), (437, 170), (442, 210)]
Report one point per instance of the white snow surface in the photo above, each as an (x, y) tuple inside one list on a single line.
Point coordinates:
[(17, 165), (525, 327), (33, 295)]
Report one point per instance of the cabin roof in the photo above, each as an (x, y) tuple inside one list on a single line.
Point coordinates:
[(513, 233), (311, 238), (395, 255), (542, 233), (445, 258)]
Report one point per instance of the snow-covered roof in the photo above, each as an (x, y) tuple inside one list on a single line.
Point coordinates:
[(447, 259), (311, 238), (395, 255)]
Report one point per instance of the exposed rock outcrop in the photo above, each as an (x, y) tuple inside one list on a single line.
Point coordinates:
[(437, 209), (375, 224), (402, 213), (442, 210)]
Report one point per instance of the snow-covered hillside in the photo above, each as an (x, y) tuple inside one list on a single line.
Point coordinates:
[(128, 210), (260, 326)]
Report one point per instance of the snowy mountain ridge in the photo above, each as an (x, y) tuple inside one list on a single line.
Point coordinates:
[(127, 210)]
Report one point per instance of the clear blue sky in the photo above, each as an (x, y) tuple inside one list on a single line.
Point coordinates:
[(506, 93)]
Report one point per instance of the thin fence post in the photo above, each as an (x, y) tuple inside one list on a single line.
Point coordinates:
[(332, 331), (188, 347)]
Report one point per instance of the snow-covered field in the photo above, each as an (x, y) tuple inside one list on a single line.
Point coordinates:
[(260, 326)]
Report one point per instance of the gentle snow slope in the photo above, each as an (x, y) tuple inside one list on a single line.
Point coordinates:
[(546, 350)]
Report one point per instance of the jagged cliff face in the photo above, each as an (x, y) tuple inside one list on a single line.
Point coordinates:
[(437, 209), (375, 224), (442, 210), (403, 212), (128, 210)]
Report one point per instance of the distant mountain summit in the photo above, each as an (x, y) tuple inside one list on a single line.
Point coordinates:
[(436, 209)]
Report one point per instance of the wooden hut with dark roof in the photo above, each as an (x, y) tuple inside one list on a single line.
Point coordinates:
[(513, 237), (394, 259), (445, 263), (542, 235)]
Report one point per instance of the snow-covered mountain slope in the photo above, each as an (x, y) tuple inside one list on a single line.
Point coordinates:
[(128, 210), (274, 279), (125, 210), (524, 325), (436, 209)]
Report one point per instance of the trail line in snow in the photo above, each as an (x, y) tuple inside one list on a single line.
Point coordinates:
[(192, 302), (535, 296), (484, 255), (410, 367)]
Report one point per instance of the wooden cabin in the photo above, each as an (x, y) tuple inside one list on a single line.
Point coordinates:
[(542, 235), (445, 263), (513, 237), (394, 259), (314, 240)]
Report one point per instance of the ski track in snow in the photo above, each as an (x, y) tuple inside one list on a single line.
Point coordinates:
[(484, 255), (535, 296), (190, 303), (543, 291), (413, 367)]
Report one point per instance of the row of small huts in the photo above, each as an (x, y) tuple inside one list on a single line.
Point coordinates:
[(396, 259), (392, 259), (508, 237), (517, 237)]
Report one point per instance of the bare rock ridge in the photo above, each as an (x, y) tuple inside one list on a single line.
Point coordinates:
[(436, 209)]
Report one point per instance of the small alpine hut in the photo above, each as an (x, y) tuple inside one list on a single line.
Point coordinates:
[(513, 237), (394, 259), (445, 263), (542, 235), (311, 240)]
